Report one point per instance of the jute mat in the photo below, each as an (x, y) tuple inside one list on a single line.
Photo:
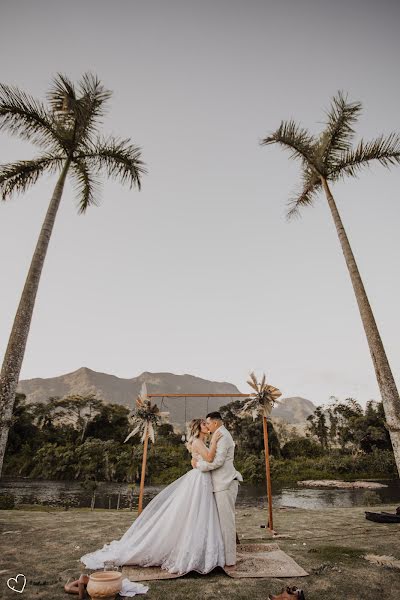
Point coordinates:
[(264, 560), (253, 560)]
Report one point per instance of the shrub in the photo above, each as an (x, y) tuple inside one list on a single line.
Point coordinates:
[(301, 446), (252, 468), (7, 501)]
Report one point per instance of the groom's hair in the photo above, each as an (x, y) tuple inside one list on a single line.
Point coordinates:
[(215, 416)]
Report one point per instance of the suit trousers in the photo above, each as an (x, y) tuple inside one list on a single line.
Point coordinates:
[(226, 500)]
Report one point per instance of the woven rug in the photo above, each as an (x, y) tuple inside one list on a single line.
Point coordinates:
[(253, 560), (264, 560)]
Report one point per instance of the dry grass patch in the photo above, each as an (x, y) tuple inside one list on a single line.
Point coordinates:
[(46, 546)]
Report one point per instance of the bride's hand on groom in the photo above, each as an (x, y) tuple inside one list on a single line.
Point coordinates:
[(216, 436)]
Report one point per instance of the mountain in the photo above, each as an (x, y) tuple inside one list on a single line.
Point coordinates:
[(294, 410), (117, 390)]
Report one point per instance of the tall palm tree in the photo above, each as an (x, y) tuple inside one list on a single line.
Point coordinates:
[(66, 129), (328, 158)]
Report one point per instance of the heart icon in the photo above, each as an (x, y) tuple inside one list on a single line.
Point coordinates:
[(15, 579)]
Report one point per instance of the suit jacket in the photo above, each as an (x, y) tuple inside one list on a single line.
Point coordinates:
[(222, 469)]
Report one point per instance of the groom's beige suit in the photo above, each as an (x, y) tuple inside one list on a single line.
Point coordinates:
[(225, 481)]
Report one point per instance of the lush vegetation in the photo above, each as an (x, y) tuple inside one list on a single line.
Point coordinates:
[(82, 438), (342, 441)]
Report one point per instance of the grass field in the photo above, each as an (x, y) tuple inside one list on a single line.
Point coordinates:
[(45, 545)]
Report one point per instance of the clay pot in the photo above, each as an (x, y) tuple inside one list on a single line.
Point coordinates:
[(104, 585)]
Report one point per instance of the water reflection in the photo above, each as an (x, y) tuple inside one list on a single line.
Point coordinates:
[(58, 493), (291, 495)]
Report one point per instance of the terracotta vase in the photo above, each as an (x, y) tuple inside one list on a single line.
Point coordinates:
[(104, 585)]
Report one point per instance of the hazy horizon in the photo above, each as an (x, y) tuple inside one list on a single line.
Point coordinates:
[(199, 273)]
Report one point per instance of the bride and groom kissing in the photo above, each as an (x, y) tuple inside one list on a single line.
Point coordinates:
[(190, 524)]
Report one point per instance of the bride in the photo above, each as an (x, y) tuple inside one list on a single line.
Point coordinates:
[(179, 529)]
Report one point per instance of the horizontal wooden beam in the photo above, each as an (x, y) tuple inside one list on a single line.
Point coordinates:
[(199, 395)]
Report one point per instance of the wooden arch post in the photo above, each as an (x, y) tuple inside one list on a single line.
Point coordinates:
[(270, 524), (143, 474)]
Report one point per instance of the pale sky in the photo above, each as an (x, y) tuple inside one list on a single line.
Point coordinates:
[(199, 272)]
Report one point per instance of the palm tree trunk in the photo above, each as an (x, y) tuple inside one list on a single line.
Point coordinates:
[(19, 334), (387, 385)]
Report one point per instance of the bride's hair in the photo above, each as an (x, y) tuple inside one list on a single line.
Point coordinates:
[(193, 432)]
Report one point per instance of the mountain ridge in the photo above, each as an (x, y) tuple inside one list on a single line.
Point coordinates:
[(123, 391)]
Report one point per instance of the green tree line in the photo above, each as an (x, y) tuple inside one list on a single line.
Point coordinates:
[(82, 438)]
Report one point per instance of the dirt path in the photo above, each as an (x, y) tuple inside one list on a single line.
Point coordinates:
[(45, 545)]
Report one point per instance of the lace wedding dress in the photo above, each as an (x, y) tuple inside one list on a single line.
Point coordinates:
[(178, 530)]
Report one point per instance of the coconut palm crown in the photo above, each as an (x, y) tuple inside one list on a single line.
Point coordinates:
[(263, 401), (331, 155), (66, 131)]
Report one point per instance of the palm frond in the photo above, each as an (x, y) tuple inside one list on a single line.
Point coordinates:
[(253, 381), (384, 149), (26, 117), (62, 93), (339, 132), (65, 110), (17, 177), (306, 196), (87, 186), (295, 139), (90, 107), (262, 402), (263, 381), (132, 433), (143, 392), (118, 158)]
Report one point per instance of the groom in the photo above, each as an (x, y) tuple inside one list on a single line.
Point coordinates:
[(225, 481)]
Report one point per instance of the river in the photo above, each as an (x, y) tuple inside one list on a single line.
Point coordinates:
[(57, 493)]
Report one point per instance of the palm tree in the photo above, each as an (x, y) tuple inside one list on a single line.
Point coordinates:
[(331, 157), (67, 132)]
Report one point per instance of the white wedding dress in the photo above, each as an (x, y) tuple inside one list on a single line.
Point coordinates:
[(178, 530)]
